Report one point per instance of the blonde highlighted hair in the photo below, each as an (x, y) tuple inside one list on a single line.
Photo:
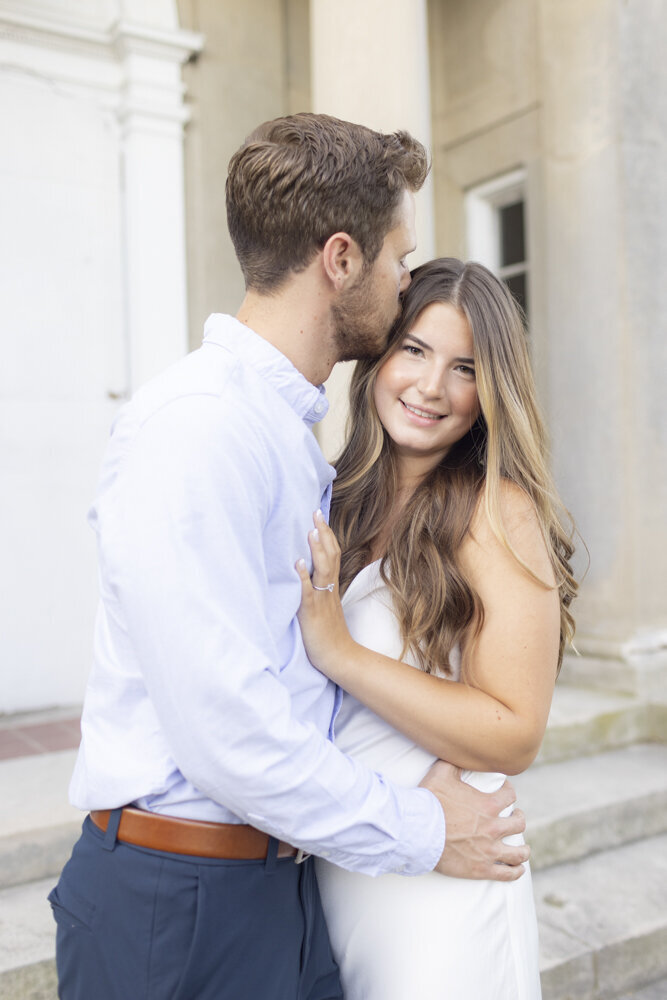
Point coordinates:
[(435, 604)]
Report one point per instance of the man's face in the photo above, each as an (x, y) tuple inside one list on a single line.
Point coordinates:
[(365, 313)]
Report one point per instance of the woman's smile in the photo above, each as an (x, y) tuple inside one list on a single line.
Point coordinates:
[(425, 392), (419, 412)]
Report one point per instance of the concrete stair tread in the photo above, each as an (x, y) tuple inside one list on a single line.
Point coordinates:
[(603, 922), (584, 721), (656, 991), (587, 804), (35, 792), (603, 919), (576, 704), (603, 928), (37, 824), (27, 928), (640, 769)]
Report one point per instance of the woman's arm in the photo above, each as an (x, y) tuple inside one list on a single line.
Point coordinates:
[(496, 719)]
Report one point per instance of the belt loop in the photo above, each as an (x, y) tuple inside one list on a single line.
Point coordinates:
[(112, 829), (271, 856)]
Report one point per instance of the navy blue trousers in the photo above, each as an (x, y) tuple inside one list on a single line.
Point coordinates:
[(137, 924)]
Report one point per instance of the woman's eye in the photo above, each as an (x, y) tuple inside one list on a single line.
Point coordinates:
[(411, 349), (467, 370)]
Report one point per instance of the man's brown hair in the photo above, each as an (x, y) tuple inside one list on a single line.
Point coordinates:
[(297, 180)]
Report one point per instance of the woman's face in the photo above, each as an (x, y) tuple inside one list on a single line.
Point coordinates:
[(425, 393)]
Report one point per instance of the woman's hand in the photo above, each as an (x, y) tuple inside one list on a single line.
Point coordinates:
[(325, 634), (496, 719)]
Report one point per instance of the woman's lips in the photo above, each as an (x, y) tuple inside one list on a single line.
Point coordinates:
[(420, 412)]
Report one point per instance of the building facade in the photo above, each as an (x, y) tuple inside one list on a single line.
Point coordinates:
[(548, 130)]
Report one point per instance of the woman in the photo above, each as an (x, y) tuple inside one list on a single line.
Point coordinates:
[(455, 560)]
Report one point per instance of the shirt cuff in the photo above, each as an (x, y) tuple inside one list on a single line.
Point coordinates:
[(423, 837)]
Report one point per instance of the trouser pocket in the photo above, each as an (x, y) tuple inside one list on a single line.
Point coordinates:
[(69, 908)]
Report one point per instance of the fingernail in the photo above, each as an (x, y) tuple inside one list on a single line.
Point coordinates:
[(316, 535), (301, 564), (319, 515)]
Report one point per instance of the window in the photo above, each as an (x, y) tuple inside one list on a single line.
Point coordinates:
[(496, 230)]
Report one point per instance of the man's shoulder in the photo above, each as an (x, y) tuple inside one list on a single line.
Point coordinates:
[(211, 397), (195, 375)]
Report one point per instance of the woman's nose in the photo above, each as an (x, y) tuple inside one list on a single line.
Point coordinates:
[(432, 382)]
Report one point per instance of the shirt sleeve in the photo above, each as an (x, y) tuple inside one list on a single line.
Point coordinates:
[(181, 544)]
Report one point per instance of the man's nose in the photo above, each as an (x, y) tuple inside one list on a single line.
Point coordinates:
[(405, 280)]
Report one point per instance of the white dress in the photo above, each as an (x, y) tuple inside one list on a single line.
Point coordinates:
[(429, 937)]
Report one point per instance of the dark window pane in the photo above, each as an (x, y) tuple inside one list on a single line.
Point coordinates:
[(517, 286), (512, 242)]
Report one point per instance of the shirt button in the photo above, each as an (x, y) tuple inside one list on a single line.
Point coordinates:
[(319, 407)]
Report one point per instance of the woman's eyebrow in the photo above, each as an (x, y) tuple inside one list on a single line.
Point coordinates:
[(427, 347), (411, 336)]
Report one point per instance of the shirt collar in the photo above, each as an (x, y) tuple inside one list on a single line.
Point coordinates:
[(307, 400)]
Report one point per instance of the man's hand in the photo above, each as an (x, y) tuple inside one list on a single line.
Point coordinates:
[(474, 845)]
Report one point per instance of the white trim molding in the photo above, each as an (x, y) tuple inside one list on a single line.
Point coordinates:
[(93, 295), (481, 208)]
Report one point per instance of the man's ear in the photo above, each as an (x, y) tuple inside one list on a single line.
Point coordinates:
[(342, 260)]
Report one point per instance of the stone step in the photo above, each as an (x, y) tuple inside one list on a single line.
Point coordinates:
[(603, 929), (656, 991), (578, 807), (625, 671), (27, 942), (37, 824), (584, 722), (603, 922), (38, 827)]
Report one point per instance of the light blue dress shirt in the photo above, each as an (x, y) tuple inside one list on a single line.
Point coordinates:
[(202, 702)]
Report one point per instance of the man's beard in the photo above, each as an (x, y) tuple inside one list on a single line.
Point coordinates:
[(361, 326)]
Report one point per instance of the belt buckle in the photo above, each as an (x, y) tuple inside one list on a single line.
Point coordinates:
[(301, 856)]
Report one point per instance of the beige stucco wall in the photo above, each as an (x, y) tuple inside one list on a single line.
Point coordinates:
[(370, 65), (576, 92), (486, 115), (255, 66), (484, 94)]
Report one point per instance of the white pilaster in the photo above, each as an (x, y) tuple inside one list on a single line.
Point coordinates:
[(92, 289), (152, 114)]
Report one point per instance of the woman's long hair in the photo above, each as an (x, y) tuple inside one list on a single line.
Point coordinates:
[(435, 604)]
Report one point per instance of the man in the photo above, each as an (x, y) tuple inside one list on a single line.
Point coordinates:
[(202, 709)]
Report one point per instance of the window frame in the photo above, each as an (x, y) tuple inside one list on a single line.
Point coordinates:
[(482, 205)]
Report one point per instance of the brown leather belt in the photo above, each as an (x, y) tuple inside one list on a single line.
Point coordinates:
[(190, 836)]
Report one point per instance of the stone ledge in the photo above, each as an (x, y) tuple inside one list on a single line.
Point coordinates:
[(584, 721), (579, 807), (603, 922)]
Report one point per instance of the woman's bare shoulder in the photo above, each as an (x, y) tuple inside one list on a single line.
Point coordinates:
[(522, 531)]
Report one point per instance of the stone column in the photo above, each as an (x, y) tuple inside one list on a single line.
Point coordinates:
[(370, 65), (152, 115), (605, 160), (91, 293)]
